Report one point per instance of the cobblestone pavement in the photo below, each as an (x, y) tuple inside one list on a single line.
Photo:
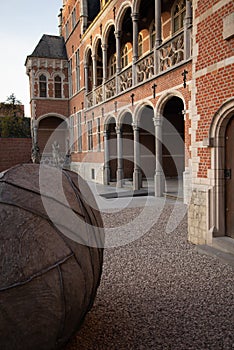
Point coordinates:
[(158, 292)]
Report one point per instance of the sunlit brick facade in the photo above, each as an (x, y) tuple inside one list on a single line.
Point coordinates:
[(147, 92)]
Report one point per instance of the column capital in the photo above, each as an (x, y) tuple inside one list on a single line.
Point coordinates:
[(118, 129), (117, 33), (135, 16), (94, 57), (104, 47), (135, 127), (158, 120)]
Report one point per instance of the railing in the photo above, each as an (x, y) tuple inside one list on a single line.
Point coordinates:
[(110, 88), (98, 94), (145, 68), (125, 79), (171, 52), (89, 99)]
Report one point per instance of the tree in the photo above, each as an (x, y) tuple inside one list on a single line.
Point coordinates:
[(13, 123)]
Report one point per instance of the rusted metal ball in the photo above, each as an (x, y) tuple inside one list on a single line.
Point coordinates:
[(50, 256)]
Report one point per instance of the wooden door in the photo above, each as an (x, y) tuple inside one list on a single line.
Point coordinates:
[(229, 178)]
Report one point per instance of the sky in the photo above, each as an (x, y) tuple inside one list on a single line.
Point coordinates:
[(21, 27)]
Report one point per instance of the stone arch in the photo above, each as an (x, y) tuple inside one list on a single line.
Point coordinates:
[(42, 71), (122, 114), (108, 119), (139, 107), (120, 15), (165, 98), (96, 43), (51, 128), (217, 142), (86, 53), (108, 25)]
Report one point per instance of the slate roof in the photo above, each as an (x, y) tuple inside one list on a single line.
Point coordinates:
[(50, 46)]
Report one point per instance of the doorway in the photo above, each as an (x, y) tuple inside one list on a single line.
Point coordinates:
[(229, 178)]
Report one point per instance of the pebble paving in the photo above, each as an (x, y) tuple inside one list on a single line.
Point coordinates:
[(157, 292)]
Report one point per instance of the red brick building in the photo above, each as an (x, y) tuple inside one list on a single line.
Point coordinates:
[(145, 88)]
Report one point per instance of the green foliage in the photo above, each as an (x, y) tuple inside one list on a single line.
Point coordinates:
[(14, 126), (13, 123)]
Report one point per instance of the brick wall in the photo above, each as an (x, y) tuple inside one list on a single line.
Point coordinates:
[(14, 151)]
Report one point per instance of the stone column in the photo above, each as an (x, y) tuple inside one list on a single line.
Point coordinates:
[(187, 29), (158, 29), (86, 71), (158, 23), (94, 59), (104, 61), (137, 170), (159, 181), (106, 159), (118, 51), (119, 157), (135, 19)]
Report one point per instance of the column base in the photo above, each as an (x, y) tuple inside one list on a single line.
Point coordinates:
[(137, 180), (106, 176), (119, 183), (159, 184)]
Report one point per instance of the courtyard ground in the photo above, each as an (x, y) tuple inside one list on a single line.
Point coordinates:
[(157, 291)]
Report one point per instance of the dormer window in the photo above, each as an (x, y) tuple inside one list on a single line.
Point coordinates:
[(42, 86)]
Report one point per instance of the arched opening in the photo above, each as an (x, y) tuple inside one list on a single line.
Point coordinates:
[(52, 135), (146, 21), (147, 144), (99, 63), (173, 148), (90, 71), (126, 38), (128, 147), (112, 149), (93, 10), (111, 53)]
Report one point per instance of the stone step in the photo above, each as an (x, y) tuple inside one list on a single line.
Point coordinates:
[(226, 258), (226, 244)]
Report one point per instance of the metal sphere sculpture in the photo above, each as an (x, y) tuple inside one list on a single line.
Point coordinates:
[(50, 256)]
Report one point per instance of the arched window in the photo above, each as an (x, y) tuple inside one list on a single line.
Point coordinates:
[(152, 36), (112, 65), (178, 15), (140, 45), (57, 86), (124, 56), (42, 86)]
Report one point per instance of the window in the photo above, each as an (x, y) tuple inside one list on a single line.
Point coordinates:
[(98, 135), (124, 56), (77, 70), (72, 148), (66, 30), (152, 36), (178, 15), (112, 65), (90, 135), (70, 77), (79, 131), (140, 45), (42, 85), (73, 18), (57, 86)]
